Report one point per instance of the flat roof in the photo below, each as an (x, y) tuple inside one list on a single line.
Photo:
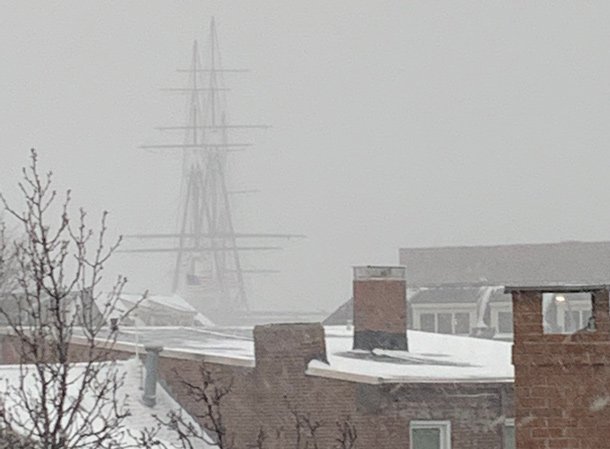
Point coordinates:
[(432, 358)]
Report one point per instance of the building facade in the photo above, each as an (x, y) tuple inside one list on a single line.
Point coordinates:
[(459, 289), (462, 285), (300, 384), (562, 376)]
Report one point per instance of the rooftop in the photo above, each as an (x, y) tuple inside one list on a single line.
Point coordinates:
[(434, 358), (520, 264), (557, 288), (141, 417), (455, 294)]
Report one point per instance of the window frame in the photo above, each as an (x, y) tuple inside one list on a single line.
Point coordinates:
[(512, 323), (450, 308), (443, 426), (421, 326), (496, 307)]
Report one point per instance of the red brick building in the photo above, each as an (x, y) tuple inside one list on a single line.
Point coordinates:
[(445, 392), (562, 381)]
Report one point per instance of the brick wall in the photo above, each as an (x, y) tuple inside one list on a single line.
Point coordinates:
[(380, 308), (79, 352), (562, 382), (266, 396), (381, 414)]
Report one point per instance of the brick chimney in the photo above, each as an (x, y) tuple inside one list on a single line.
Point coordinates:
[(561, 380), (288, 347), (380, 308)]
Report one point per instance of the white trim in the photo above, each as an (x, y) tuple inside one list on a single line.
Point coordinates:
[(443, 426), (326, 371)]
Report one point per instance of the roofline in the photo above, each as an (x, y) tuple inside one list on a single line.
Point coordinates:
[(330, 373), (248, 362), (184, 354), (506, 245), (557, 288), (464, 284)]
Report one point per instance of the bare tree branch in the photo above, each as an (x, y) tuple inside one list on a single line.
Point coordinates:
[(49, 281), (210, 393), (347, 434)]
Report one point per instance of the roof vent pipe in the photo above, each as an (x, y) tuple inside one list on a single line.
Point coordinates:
[(152, 373)]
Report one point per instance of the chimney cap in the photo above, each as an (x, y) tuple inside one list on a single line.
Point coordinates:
[(153, 348), (379, 272)]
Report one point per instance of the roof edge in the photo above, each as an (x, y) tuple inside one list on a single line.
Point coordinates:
[(557, 288)]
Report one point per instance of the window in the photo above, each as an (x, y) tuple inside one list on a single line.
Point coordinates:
[(426, 322), (505, 322), (585, 316), (430, 435), (444, 323), (509, 434), (566, 313), (571, 320), (462, 323)]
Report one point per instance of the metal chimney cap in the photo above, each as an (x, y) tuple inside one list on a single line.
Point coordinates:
[(153, 348)]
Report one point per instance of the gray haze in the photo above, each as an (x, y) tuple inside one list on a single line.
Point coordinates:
[(404, 123)]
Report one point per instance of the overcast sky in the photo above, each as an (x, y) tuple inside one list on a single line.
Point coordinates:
[(398, 123)]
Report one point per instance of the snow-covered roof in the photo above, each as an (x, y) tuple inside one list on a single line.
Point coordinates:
[(231, 347), (173, 302), (141, 416), (431, 357)]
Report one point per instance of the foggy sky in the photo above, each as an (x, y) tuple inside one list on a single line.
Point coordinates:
[(398, 123)]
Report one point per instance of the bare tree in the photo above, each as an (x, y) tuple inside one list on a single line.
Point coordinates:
[(50, 278), (306, 435), (347, 434), (210, 392)]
